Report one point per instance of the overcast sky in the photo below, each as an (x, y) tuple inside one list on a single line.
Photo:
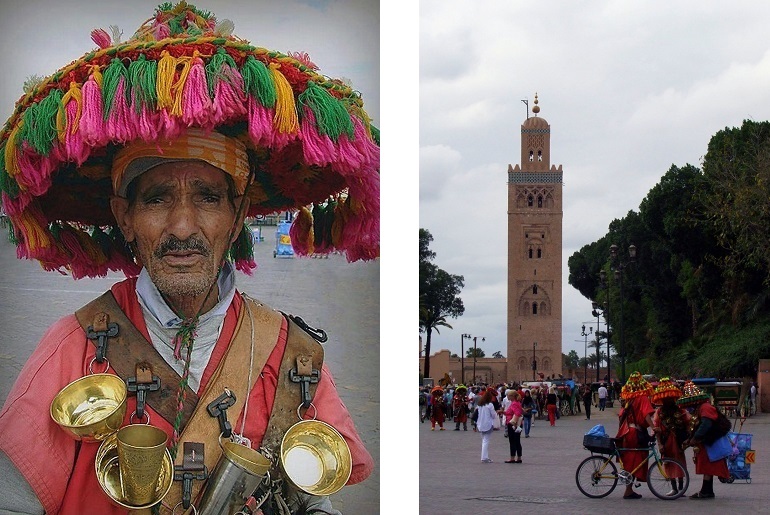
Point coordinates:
[(629, 88)]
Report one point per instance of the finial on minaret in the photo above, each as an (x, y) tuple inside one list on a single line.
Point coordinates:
[(535, 108)]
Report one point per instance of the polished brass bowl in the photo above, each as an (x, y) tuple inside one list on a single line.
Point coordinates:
[(108, 475), (91, 408), (315, 457)]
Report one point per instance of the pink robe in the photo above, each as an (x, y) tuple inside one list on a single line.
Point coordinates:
[(61, 470), (640, 407)]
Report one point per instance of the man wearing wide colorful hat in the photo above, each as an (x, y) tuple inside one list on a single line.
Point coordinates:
[(145, 157), (704, 416), (671, 424), (635, 420)]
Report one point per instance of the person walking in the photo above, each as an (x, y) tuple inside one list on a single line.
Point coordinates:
[(671, 424), (514, 415), (635, 420), (602, 397), (529, 406), (550, 404), (587, 394), (705, 416), (486, 418)]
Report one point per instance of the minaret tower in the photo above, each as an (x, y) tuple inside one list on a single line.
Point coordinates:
[(534, 256)]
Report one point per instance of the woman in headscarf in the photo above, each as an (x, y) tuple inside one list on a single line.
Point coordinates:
[(551, 401), (635, 421)]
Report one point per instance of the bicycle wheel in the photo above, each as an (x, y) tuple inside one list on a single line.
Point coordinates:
[(660, 475), (596, 476)]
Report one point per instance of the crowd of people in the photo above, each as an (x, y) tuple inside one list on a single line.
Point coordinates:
[(676, 417)]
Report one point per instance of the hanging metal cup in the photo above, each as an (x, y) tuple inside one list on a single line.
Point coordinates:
[(237, 475), (315, 457)]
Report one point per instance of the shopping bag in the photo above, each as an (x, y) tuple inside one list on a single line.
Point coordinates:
[(720, 449)]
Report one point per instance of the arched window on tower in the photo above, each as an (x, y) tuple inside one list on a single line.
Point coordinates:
[(539, 201), (531, 156), (534, 308), (530, 253), (534, 289), (539, 155), (539, 253), (530, 200)]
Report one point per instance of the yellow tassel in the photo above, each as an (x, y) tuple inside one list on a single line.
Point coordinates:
[(11, 163), (178, 87), (76, 95), (305, 229), (338, 226), (285, 119), (165, 82), (35, 236)]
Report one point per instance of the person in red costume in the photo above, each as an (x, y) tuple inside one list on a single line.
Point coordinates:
[(146, 157), (635, 419), (438, 408), (460, 407), (704, 416), (671, 423)]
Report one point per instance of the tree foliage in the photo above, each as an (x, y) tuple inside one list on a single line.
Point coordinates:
[(477, 352), (439, 295), (702, 271)]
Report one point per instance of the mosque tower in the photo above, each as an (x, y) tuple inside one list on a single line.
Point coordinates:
[(534, 256)]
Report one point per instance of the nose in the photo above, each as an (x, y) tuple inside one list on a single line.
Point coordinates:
[(182, 220)]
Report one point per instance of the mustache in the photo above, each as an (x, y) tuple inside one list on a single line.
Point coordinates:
[(174, 244)]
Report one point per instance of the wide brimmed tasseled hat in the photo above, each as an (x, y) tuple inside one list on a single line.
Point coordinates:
[(692, 395), (666, 389), (636, 386), (310, 145)]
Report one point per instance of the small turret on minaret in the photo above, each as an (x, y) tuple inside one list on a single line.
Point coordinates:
[(536, 108)]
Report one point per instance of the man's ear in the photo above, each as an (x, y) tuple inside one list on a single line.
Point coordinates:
[(242, 204), (120, 209)]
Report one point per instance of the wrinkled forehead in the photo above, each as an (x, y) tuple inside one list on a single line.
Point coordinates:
[(183, 174)]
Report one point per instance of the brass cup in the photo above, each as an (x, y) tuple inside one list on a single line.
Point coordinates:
[(108, 475), (91, 408), (141, 450), (315, 457)]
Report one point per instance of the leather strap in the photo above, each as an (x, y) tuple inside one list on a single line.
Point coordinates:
[(264, 325), (130, 347)]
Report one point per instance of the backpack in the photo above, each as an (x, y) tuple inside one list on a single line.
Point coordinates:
[(718, 429)]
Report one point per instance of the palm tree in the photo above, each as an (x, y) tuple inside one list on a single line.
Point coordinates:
[(430, 321)]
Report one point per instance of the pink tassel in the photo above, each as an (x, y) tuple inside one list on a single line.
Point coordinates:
[(229, 98), (246, 266), (147, 124), (170, 127), (34, 170), (197, 105), (101, 38), (318, 149), (162, 31), (92, 119), (121, 123), (75, 149), (14, 207), (260, 122)]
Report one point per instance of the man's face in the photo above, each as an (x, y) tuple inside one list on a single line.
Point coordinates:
[(181, 220)]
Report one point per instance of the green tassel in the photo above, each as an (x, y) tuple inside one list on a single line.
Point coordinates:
[(39, 128), (142, 76), (242, 247), (214, 69), (332, 119), (7, 183), (257, 81), (375, 134), (112, 75)]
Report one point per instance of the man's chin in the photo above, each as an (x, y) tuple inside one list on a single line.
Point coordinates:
[(183, 283)]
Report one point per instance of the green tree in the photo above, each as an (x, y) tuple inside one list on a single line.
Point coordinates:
[(439, 295), (571, 360), (477, 352), (497, 354)]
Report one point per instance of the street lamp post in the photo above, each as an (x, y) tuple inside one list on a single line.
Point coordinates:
[(474, 356), (462, 356), (534, 361), (585, 350), (598, 311), (619, 267)]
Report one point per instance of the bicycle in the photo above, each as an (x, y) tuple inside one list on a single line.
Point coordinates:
[(597, 476)]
